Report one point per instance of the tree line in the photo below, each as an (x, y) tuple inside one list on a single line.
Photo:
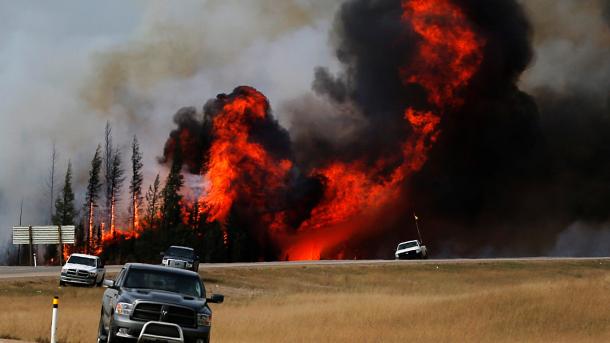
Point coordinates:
[(156, 219)]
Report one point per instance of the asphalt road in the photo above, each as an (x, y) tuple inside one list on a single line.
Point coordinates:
[(11, 272)]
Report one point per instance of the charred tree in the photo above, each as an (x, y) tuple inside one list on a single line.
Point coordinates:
[(51, 180), (93, 188), (171, 204), (153, 198), (135, 185), (116, 182), (64, 208), (108, 161)]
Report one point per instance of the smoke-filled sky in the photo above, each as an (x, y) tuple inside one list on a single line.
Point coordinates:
[(67, 67)]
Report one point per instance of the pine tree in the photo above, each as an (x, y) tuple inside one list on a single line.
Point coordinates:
[(116, 182), (64, 208), (135, 186), (170, 208), (153, 196), (64, 205), (93, 188)]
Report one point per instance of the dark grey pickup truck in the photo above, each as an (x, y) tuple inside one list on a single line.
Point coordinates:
[(180, 257), (148, 303)]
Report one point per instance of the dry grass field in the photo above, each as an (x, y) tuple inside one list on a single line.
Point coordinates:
[(530, 301)]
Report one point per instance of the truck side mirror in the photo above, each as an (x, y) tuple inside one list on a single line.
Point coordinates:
[(216, 299), (108, 283)]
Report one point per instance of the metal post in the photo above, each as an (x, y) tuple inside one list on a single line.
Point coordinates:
[(19, 248), (31, 252), (54, 319), (421, 241)]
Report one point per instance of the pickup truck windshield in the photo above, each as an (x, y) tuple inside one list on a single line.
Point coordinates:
[(179, 252), (164, 281), (82, 260), (406, 245)]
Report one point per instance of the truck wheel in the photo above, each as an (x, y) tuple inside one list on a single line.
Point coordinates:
[(99, 284), (102, 336), (111, 338)]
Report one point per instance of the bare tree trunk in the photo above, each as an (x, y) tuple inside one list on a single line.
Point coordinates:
[(91, 224), (52, 181), (108, 156)]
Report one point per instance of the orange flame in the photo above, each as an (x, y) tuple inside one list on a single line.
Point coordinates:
[(136, 214), (450, 51), (233, 154), (91, 221)]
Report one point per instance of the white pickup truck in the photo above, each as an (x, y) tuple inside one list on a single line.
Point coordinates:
[(82, 269), (410, 250)]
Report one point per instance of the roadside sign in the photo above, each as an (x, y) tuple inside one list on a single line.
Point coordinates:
[(52, 234)]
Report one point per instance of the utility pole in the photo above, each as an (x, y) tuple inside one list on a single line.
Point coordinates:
[(19, 247), (421, 241)]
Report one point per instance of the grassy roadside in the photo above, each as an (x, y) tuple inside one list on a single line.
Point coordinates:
[(534, 301)]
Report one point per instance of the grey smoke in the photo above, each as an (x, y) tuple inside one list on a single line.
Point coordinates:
[(582, 239)]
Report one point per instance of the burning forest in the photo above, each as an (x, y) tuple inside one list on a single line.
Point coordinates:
[(442, 129), (248, 169)]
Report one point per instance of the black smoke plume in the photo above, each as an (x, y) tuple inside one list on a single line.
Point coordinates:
[(510, 171)]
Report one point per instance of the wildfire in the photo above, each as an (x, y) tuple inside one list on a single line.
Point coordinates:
[(112, 216), (449, 53), (136, 214), (237, 165), (243, 172)]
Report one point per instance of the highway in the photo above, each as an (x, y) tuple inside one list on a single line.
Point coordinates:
[(12, 272)]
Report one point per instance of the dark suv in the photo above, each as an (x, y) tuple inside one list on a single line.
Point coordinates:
[(155, 303), (180, 257)]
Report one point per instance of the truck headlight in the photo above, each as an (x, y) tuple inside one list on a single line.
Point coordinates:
[(124, 309), (189, 265), (92, 273), (204, 319), (64, 270)]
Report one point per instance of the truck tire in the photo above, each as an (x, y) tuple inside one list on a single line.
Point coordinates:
[(102, 336), (110, 336)]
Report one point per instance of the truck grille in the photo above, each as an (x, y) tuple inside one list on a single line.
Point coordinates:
[(163, 330), (75, 273), (182, 316)]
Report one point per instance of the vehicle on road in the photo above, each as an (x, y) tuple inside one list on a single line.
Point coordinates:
[(83, 270), (180, 257), (411, 250), (152, 302)]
